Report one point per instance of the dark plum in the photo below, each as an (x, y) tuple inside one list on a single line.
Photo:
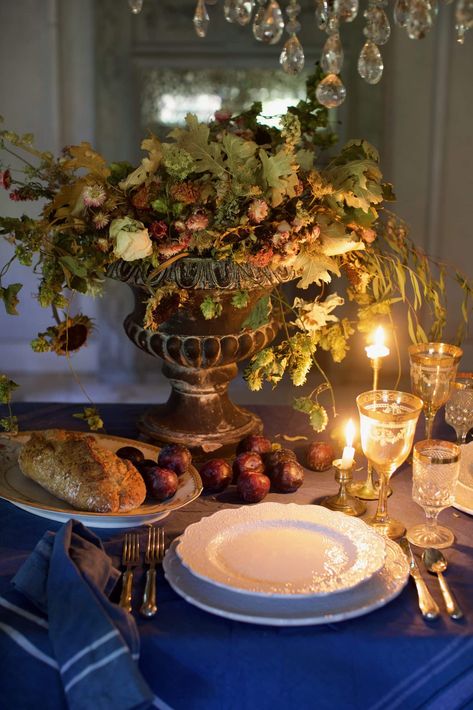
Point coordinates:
[(176, 457), (146, 463), (216, 474), (248, 462), (319, 456), (161, 483), (258, 444), (130, 453), (287, 476), (254, 487), (274, 457)]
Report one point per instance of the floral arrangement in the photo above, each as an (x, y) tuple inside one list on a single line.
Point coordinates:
[(231, 189)]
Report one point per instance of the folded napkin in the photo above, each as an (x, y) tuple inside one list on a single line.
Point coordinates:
[(95, 643)]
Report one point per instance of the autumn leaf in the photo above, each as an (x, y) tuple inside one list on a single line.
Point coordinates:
[(259, 315), (314, 268), (241, 161), (195, 139), (84, 156), (148, 165), (280, 175), (9, 296), (67, 202)]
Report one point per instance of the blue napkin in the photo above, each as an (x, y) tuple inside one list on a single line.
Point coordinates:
[(95, 643)]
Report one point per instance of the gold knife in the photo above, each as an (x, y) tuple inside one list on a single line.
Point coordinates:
[(428, 606)]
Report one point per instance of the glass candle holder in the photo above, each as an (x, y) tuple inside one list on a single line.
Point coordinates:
[(433, 370), (435, 469), (388, 420), (459, 408)]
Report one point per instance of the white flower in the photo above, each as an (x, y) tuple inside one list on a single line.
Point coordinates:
[(315, 314), (131, 239), (258, 211), (94, 195)]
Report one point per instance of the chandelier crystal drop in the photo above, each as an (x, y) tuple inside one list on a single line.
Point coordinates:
[(463, 18), (292, 56), (401, 12), (348, 10), (135, 6), (201, 19), (332, 55), (330, 91), (420, 19), (266, 18), (268, 24), (370, 63), (238, 11)]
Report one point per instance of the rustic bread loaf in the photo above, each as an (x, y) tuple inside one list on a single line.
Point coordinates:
[(75, 468)]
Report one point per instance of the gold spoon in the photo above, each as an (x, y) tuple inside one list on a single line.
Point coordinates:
[(436, 563)]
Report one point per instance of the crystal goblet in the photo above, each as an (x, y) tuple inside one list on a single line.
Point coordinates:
[(433, 370), (388, 420), (435, 469), (459, 408)]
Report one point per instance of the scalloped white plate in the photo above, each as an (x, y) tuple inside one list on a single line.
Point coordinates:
[(30, 496), (380, 589), (282, 550), (464, 490)]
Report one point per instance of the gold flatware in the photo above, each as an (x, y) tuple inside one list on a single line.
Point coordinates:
[(436, 563), (154, 555), (428, 606), (130, 558)]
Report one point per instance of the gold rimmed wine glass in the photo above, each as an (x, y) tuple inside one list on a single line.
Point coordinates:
[(388, 420), (433, 371), (435, 469), (459, 407)]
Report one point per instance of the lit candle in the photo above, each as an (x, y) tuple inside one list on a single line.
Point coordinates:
[(378, 348), (348, 452)]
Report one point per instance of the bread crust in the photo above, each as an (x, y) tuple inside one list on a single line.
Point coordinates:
[(75, 468)]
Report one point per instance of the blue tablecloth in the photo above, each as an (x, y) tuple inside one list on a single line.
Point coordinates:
[(390, 658)]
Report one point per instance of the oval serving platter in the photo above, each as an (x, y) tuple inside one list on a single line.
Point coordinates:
[(31, 497)]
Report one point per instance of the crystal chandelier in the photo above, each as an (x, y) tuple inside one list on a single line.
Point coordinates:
[(268, 22)]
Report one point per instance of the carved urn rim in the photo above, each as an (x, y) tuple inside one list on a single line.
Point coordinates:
[(193, 272)]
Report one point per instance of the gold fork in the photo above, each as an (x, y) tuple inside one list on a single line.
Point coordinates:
[(154, 555), (130, 558)]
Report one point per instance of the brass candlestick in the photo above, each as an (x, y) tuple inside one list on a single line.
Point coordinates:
[(343, 502), (366, 489)]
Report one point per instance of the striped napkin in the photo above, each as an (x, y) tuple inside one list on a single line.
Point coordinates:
[(90, 641)]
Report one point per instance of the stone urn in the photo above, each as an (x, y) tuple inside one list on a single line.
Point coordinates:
[(200, 356)]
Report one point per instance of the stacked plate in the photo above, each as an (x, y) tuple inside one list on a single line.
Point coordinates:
[(285, 564), (464, 491)]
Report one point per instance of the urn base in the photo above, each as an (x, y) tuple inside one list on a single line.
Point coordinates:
[(199, 413)]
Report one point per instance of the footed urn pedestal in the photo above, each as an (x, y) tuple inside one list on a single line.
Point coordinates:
[(200, 356)]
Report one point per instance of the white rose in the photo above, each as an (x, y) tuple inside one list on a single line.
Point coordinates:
[(131, 239)]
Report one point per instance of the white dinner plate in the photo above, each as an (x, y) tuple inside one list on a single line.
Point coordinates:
[(282, 550), (30, 496), (464, 490), (384, 586)]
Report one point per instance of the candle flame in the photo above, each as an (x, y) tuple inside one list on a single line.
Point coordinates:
[(350, 432), (379, 336)]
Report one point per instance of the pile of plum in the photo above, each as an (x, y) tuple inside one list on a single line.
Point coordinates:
[(161, 477), (256, 468)]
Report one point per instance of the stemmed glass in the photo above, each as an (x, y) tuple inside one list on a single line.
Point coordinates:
[(435, 469), (459, 408), (433, 370), (387, 424)]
